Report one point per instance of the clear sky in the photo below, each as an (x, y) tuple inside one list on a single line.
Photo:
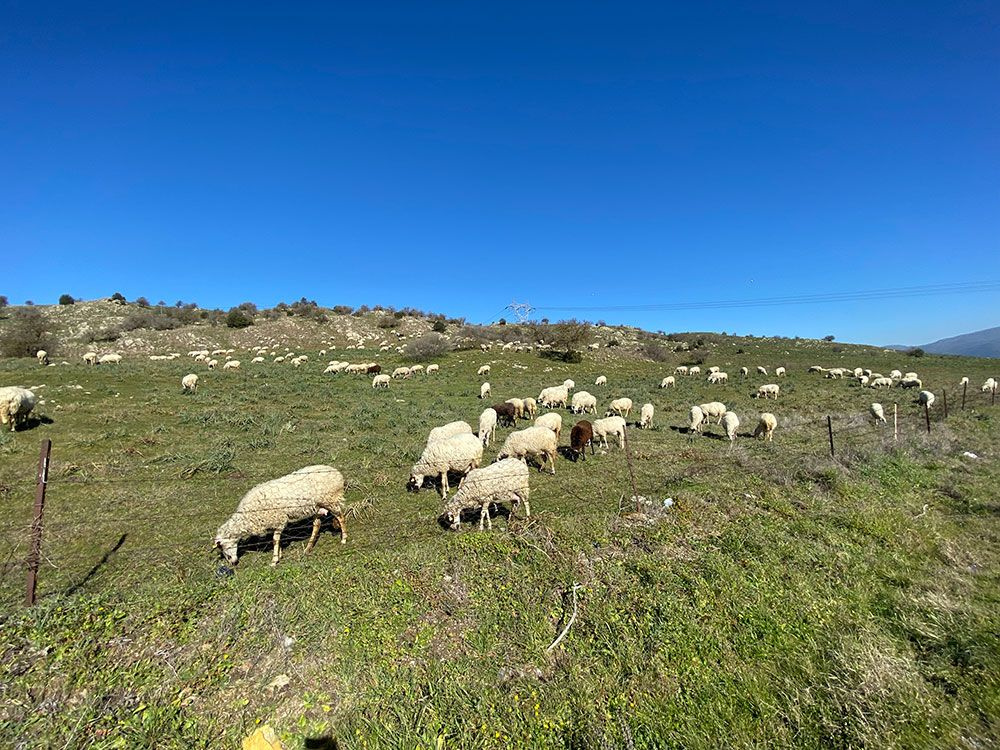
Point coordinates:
[(454, 156)]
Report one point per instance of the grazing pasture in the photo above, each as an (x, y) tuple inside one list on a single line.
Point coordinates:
[(780, 598)]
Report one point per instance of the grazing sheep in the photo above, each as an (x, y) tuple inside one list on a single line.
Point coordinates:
[(374, 369), (864, 380), (768, 391), (713, 410), (506, 414), (16, 404), (432, 368), (911, 376), (989, 385), (583, 402), (552, 420), (896, 375), (413, 370), (554, 396), (718, 377), (518, 405), (620, 406), (401, 372), (310, 492), (964, 381), (42, 356), (533, 441), (780, 372), (487, 426), (610, 426), (569, 384), (910, 383), (878, 413), (448, 431), (256, 360), (460, 453), (90, 358), (646, 416), (694, 370), (484, 390), (530, 408), (212, 364), (484, 370), (601, 380), (714, 368), (731, 423), (503, 480), (189, 382), (925, 398), (696, 420), (817, 368), (110, 359), (381, 381), (761, 370), (233, 364), (880, 383), (668, 382), (744, 371), (765, 427), (680, 370), (581, 434)]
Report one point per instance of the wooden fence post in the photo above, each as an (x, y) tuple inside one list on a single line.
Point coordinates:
[(829, 429), (35, 555), (944, 395), (927, 416), (895, 423), (965, 387)]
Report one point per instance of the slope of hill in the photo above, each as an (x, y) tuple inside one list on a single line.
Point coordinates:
[(984, 343)]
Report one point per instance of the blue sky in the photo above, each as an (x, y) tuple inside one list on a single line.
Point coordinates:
[(454, 156)]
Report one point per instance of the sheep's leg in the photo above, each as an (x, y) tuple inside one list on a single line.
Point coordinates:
[(276, 556), (315, 533), (341, 519), (527, 505), (444, 484), (552, 460)]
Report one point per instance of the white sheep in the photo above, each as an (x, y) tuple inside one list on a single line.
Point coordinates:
[(506, 479), (896, 375), (233, 364), (484, 390), (256, 360), (448, 431), (530, 408), (680, 370), (484, 370), (731, 423), (964, 381), (310, 492), (694, 370), (696, 419), (878, 413), (189, 382), (780, 372), (817, 368), (554, 396), (16, 404), (460, 453), (771, 390), (381, 381), (765, 427), (713, 410), (620, 406), (713, 368), (911, 376), (880, 383), (569, 384), (646, 416), (601, 380), (610, 426), (110, 359), (212, 364), (90, 358), (864, 380), (432, 368), (583, 402), (925, 398), (761, 370), (487, 426), (718, 377), (416, 369), (532, 441), (400, 372), (42, 356), (744, 371), (552, 420), (989, 385), (668, 382)]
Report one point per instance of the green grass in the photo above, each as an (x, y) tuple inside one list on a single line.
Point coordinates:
[(785, 599)]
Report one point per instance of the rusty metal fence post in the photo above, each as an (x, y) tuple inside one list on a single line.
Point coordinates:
[(35, 555)]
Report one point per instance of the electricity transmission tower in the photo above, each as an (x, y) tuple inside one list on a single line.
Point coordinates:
[(521, 311)]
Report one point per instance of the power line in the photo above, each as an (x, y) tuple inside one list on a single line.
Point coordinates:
[(967, 287)]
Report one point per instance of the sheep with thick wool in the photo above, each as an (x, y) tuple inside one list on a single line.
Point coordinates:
[(189, 382), (620, 406), (668, 382), (432, 369), (460, 453), (680, 370), (925, 398), (552, 420), (696, 420), (109, 359), (311, 492), (233, 364), (504, 480), (601, 380), (484, 370), (880, 383), (646, 416), (569, 384), (42, 356), (553, 396), (771, 390), (16, 404), (583, 402), (989, 385), (538, 441), (766, 426), (381, 381), (449, 430), (484, 390), (718, 377), (487, 426), (530, 408), (580, 436), (779, 372), (730, 423), (713, 410), (90, 358), (761, 370), (610, 426), (518, 405), (877, 412)]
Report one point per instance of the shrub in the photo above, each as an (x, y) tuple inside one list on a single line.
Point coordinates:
[(388, 321), (439, 326), (26, 334), (502, 322), (917, 352), (142, 302), (572, 357), (656, 352), (118, 297), (111, 333), (343, 309), (66, 299), (3, 300), (828, 338), (426, 347), (237, 318)]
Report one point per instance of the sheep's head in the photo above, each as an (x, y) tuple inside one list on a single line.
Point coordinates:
[(227, 548), (415, 483)]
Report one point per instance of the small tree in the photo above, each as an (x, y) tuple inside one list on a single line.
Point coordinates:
[(502, 322), (439, 326), (828, 338), (388, 321), (426, 347), (917, 352), (237, 318), (118, 297), (142, 302), (3, 300), (26, 334), (66, 299)]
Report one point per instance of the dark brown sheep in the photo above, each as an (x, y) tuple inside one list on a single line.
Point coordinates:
[(375, 369), (581, 434), (506, 414)]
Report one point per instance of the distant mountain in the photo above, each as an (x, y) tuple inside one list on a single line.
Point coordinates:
[(985, 343)]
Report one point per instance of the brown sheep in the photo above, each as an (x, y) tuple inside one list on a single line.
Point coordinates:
[(581, 434), (375, 369), (506, 414)]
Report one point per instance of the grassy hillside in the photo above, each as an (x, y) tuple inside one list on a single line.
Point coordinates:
[(784, 598)]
